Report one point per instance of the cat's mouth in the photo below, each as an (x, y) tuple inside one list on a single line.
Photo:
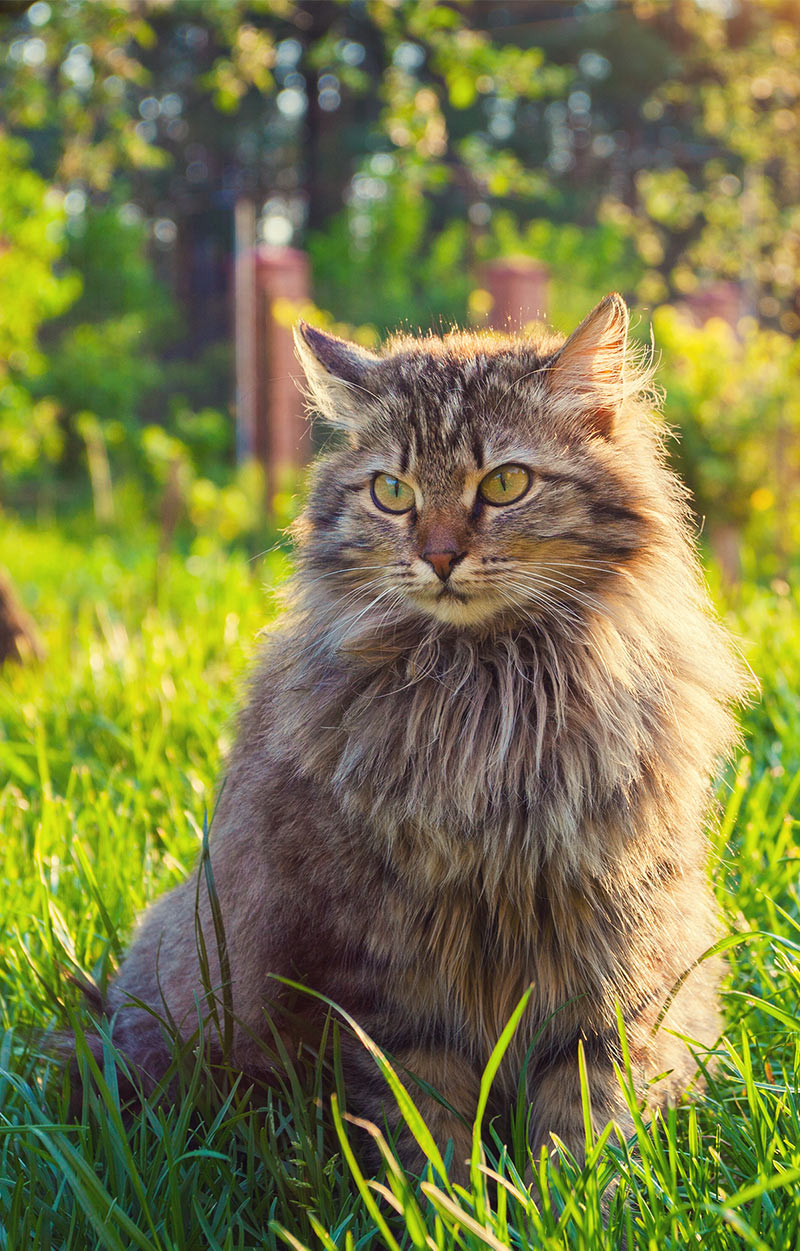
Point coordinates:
[(455, 607)]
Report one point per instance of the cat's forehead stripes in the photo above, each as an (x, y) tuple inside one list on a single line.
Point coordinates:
[(446, 403)]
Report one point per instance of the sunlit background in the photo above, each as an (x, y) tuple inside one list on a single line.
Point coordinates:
[(178, 180)]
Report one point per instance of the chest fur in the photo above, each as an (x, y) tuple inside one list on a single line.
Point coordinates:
[(507, 751), (463, 947)]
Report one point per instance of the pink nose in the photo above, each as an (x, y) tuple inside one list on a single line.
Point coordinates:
[(442, 562)]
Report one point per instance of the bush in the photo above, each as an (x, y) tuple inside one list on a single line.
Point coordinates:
[(31, 291), (381, 262), (734, 396)]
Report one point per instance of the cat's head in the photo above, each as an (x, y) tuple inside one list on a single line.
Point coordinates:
[(483, 479)]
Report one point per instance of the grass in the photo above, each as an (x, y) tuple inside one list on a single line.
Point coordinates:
[(108, 756)]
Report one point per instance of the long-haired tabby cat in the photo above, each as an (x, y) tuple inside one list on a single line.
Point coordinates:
[(478, 744)]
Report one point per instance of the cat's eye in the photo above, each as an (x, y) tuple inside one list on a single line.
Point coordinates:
[(505, 485), (392, 494)]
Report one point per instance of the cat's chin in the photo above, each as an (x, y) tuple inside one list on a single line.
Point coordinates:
[(456, 608)]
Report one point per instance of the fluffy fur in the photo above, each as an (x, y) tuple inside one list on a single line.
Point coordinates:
[(442, 792)]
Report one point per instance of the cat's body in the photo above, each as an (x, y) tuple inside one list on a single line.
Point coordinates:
[(478, 746)]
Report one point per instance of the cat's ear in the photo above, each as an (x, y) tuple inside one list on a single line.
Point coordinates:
[(339, 375), (588, 371)]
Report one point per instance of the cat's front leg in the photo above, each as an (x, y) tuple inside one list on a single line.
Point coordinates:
[(451, 1075), (557, 1103)]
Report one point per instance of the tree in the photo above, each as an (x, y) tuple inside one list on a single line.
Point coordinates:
[(725, 206), (31, 242)]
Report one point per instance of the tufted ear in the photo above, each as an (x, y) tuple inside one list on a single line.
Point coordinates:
[(588, 371), (339, 375)]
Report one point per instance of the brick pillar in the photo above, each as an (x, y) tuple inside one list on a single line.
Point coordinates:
[(245, 326), (282, 441), (518, 287)]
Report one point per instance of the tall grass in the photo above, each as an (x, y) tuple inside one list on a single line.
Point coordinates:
[(108, 758)]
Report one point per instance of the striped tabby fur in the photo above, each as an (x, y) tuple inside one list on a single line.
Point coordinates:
[(441, 793)]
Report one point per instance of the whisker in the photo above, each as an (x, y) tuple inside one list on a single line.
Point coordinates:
[(339, 602), (572, 595), (537, 594), (582, 596), (555, 610), (536, 575), (534, 590), (389, 591), (543, 598), (332, 573), (266, 552)]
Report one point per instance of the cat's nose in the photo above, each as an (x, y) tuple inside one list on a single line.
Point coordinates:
[(443, 563)]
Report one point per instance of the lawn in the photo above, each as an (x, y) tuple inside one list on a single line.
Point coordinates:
[(108, 757)]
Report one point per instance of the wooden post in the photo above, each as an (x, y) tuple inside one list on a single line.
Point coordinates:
[(518, 287), (724, 299), (245, 326), (282, 433)]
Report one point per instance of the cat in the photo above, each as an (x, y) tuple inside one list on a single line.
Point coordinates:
[(478, 745)]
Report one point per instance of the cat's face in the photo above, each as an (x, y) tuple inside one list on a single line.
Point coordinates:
[(480, 480)]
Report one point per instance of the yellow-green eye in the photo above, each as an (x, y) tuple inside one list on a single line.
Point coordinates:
[(505, 485), (392, 494)]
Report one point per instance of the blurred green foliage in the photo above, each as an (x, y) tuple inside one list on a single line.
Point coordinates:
[(31, 239), (422, 277), (586, 262), (646, 147), (734, 396), (31, 290)]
